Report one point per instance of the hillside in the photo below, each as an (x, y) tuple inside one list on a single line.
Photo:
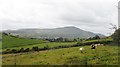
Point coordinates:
[(66, 32), (9, 41), (103, 55)]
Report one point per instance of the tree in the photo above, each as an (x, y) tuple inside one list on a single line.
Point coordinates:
[(66, 39), (75, 40), (27, 50), (46, 47), (116, 36), (60, 39), (96, 37), (35, 48), (21, 50), (5, 33)]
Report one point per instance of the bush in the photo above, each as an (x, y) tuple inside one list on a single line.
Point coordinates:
[(21, 50), (7, 51), (116, 36), (46, 47), (102, 41), (14, 51), (4, 34), (35, 48), (27, 50)]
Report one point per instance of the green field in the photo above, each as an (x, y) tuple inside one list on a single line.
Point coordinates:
[(17, 43), (103, 55), (0, 45), (42, 45), (9, 42)]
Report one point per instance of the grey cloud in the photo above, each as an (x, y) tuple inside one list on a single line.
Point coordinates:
[(85, 14)]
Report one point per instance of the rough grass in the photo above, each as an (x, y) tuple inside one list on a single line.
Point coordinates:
[(0, 45), (103, 55)]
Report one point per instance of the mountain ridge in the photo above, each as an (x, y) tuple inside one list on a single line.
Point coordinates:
[(66, 32)]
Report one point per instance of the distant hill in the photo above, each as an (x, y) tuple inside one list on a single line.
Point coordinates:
[(66, 32)]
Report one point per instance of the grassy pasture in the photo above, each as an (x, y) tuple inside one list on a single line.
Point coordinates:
[(9, 42), (0, 45), (103, 55), (42, 45)]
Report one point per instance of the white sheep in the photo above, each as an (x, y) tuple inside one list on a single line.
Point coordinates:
[(93, 46), (81, 49), (96, 45), (102, 44), (99, 44)]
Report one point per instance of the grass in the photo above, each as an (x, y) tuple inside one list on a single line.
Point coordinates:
[(0, 44), (42, 45), (17, 43), (105, 40), (9, 42), (103, 55), (0, 53)]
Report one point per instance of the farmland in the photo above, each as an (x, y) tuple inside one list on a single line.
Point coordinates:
[(59, 33), (103, 55), (42, 45), (17, 43), (9, 41)]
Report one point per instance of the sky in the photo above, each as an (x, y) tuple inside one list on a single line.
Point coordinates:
[(90, 15)]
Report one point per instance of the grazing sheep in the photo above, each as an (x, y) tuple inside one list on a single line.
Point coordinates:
[(96, 45), (102, 44), (93, 46), (81, 49)]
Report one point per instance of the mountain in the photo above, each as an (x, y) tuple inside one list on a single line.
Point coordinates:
[(66, 32), (101, 35)]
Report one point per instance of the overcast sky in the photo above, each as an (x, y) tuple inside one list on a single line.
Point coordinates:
[(89, 15)]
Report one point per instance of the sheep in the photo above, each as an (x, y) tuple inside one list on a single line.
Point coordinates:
[(96, 45), (102, 44), (81, 49), (93, 46)]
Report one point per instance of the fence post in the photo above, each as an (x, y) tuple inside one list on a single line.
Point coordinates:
[(15, 59)]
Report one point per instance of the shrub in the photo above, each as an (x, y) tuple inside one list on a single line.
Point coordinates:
[(7, 51), (116, 36), (35, 48), (21, 50), (46, 47), (14, 51), (5, 33), (27, 50), (102, 41)]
